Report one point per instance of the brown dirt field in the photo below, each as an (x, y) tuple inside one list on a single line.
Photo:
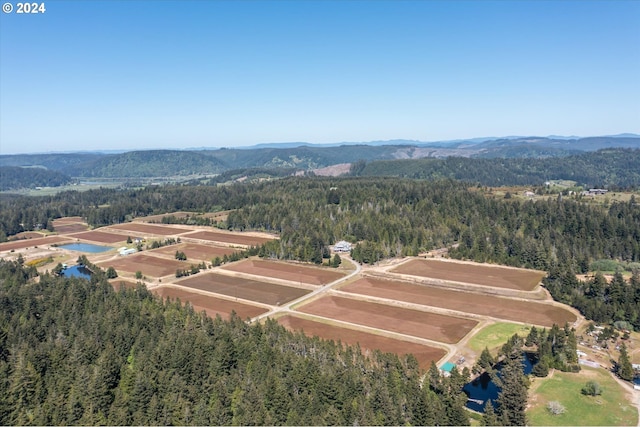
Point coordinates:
[(149, 265), (70, 228), (423, 353), (158, 218), (100, 236), (142, 228), (211, 305), (68, 220), (194, 251), (26, 235), (252, 290), (437, 327), (535, 313), (238, 238), (286, 271), (29, 243), (494, 276)]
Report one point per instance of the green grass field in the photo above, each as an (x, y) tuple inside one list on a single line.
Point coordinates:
[(495, 335), (612, 408)]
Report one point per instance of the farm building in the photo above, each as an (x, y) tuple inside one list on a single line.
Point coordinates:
[(125, 252), (342, 246)]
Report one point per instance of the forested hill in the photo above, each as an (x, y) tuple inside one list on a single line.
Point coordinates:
[(164, 163), (12, 177), (153, 163), (610, 168), (74, 352)]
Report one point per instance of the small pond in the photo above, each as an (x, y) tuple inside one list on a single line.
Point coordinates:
[(76, 271), (86, 247), (483, 388)]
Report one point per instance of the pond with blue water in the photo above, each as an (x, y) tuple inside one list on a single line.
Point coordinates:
[(480, 390), (76, 271), (86, 247)]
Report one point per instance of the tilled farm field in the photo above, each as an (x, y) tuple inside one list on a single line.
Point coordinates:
[(237, 287), (148, 265), (211, 305), (142, 228), (477, 274), (368, 342), (432, 326), (100, 236), (229, 238), (195, 251), (537, 313), (302, 273)]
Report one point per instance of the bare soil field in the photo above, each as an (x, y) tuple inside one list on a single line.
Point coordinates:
[(367, 341), (238, 238), (147, 264), (30, 243), (71, 224), (252, 290), (195, 251), (158, 218), (294, 272), (142, 228), (68, 220), (211, 305), (100, 236), (432, 326), (535, 313), (220, 216), (70, 228), (26, 235), (479, 274)]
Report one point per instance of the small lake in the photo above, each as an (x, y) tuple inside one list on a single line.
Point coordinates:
[(86, 247), (483, 388), (76, 271)]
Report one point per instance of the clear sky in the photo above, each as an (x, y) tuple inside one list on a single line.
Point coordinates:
[(100, 75)]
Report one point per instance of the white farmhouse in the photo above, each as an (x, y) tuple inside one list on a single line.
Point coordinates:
[(342, 246)]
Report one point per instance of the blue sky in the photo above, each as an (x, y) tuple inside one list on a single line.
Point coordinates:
[(100, 75)]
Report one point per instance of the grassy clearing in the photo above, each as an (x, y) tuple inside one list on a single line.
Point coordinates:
[(495, 335), (612, 408)]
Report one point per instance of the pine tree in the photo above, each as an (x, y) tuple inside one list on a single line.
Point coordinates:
[(512, 399), (489, 418), (625, 369)]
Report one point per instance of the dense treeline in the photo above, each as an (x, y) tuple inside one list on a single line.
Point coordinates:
[(611, 168), (15, 178), (74, 352)]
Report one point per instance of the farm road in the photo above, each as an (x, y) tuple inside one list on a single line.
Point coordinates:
[(287, 307)]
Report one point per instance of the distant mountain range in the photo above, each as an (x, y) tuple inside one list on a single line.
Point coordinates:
[(305, 156)]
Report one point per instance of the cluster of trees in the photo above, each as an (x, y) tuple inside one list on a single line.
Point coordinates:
[(160, 243), (16, 178), (507, 372), (596, 298), (555, 348), (74, 352), (195, 219), (193, 269)]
